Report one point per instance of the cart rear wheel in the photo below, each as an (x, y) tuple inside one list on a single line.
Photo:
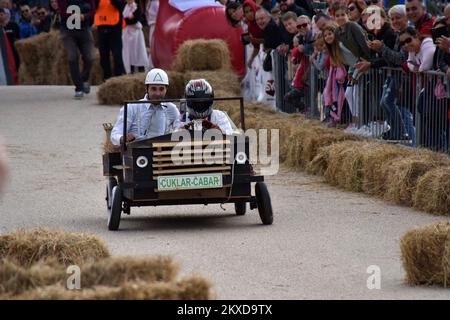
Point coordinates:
[(240, 208), (264, 203), (116, 209), (112, 182)]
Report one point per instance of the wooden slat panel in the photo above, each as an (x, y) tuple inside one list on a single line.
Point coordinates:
[(169, 159), (192, 170), (189, 143), (171, 165), (188, 152)]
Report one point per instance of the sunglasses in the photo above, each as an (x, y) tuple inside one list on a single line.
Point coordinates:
[(351, 8), (406, 41), (303, 25)]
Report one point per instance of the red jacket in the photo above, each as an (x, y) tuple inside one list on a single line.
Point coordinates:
[(425, 24)]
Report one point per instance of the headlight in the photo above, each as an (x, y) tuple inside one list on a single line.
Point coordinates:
[(241, 157), (142, 162)]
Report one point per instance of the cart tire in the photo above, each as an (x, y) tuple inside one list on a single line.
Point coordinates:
[(116, 209), (112, 182), (240, 208), (264, 203)]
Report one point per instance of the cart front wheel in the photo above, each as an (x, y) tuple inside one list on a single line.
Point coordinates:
[(240, 208), (116, 209), (264, 203), (112, 182)]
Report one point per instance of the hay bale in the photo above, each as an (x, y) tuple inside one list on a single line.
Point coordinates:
[(116, 90), (111, 272), (402, 174), (177, 81), (319, 164), (201, 54), (28, 247), (426, 254), (376, 155), (345, 164), (432, 193), (36, 57), (314, 142), (114, 272), (44, 61), (15, 279), (194, 288)]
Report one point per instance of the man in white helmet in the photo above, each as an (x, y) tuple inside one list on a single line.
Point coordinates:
[(203, 109), (148, 120)]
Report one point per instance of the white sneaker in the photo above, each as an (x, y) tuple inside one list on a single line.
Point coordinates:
[(79, 95)]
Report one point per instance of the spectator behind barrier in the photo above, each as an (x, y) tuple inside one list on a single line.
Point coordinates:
[(256, 34), (288, 32), (291, 6), (355, 10), (55, 15), (422, 20), (303, 49), (12, 32), (352, 37), (271, 31), (321, 21), (443, 43), (380, 31), (334, 91), (234, 13), (44, 20), (28, 23), (421, 50)]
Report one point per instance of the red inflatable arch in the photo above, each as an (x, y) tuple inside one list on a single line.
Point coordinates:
[(173, 27)]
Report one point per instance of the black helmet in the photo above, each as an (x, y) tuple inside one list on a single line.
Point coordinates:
[(199, 88)]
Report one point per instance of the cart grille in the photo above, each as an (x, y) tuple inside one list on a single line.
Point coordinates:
[(172, 158)]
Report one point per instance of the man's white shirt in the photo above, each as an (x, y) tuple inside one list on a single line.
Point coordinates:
[(147, 120)]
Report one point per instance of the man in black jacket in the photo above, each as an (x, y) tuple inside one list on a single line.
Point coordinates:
[(78, 39)]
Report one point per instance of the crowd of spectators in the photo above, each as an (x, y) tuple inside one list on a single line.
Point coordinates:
[(345, 41)]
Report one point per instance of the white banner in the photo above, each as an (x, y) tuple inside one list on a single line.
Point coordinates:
[(186, 5)]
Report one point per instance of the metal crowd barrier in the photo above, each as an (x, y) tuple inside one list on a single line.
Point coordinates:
[(388, 103)]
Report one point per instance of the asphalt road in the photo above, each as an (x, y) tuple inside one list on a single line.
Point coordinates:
[(319, 247)]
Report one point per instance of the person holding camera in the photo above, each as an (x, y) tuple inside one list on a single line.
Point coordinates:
[(442, 40)]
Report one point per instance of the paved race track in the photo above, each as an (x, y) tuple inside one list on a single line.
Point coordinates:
[(319, 247)]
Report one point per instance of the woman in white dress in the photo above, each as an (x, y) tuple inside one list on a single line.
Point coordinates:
[(134, 51)]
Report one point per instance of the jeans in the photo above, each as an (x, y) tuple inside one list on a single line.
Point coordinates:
[(82, 41), (395, 117), (408, 121)]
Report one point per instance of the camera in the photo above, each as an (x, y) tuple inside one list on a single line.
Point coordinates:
[(245, 38), (439, 32)]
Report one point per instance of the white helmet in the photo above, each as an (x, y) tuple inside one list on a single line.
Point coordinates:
[(158, 77)]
